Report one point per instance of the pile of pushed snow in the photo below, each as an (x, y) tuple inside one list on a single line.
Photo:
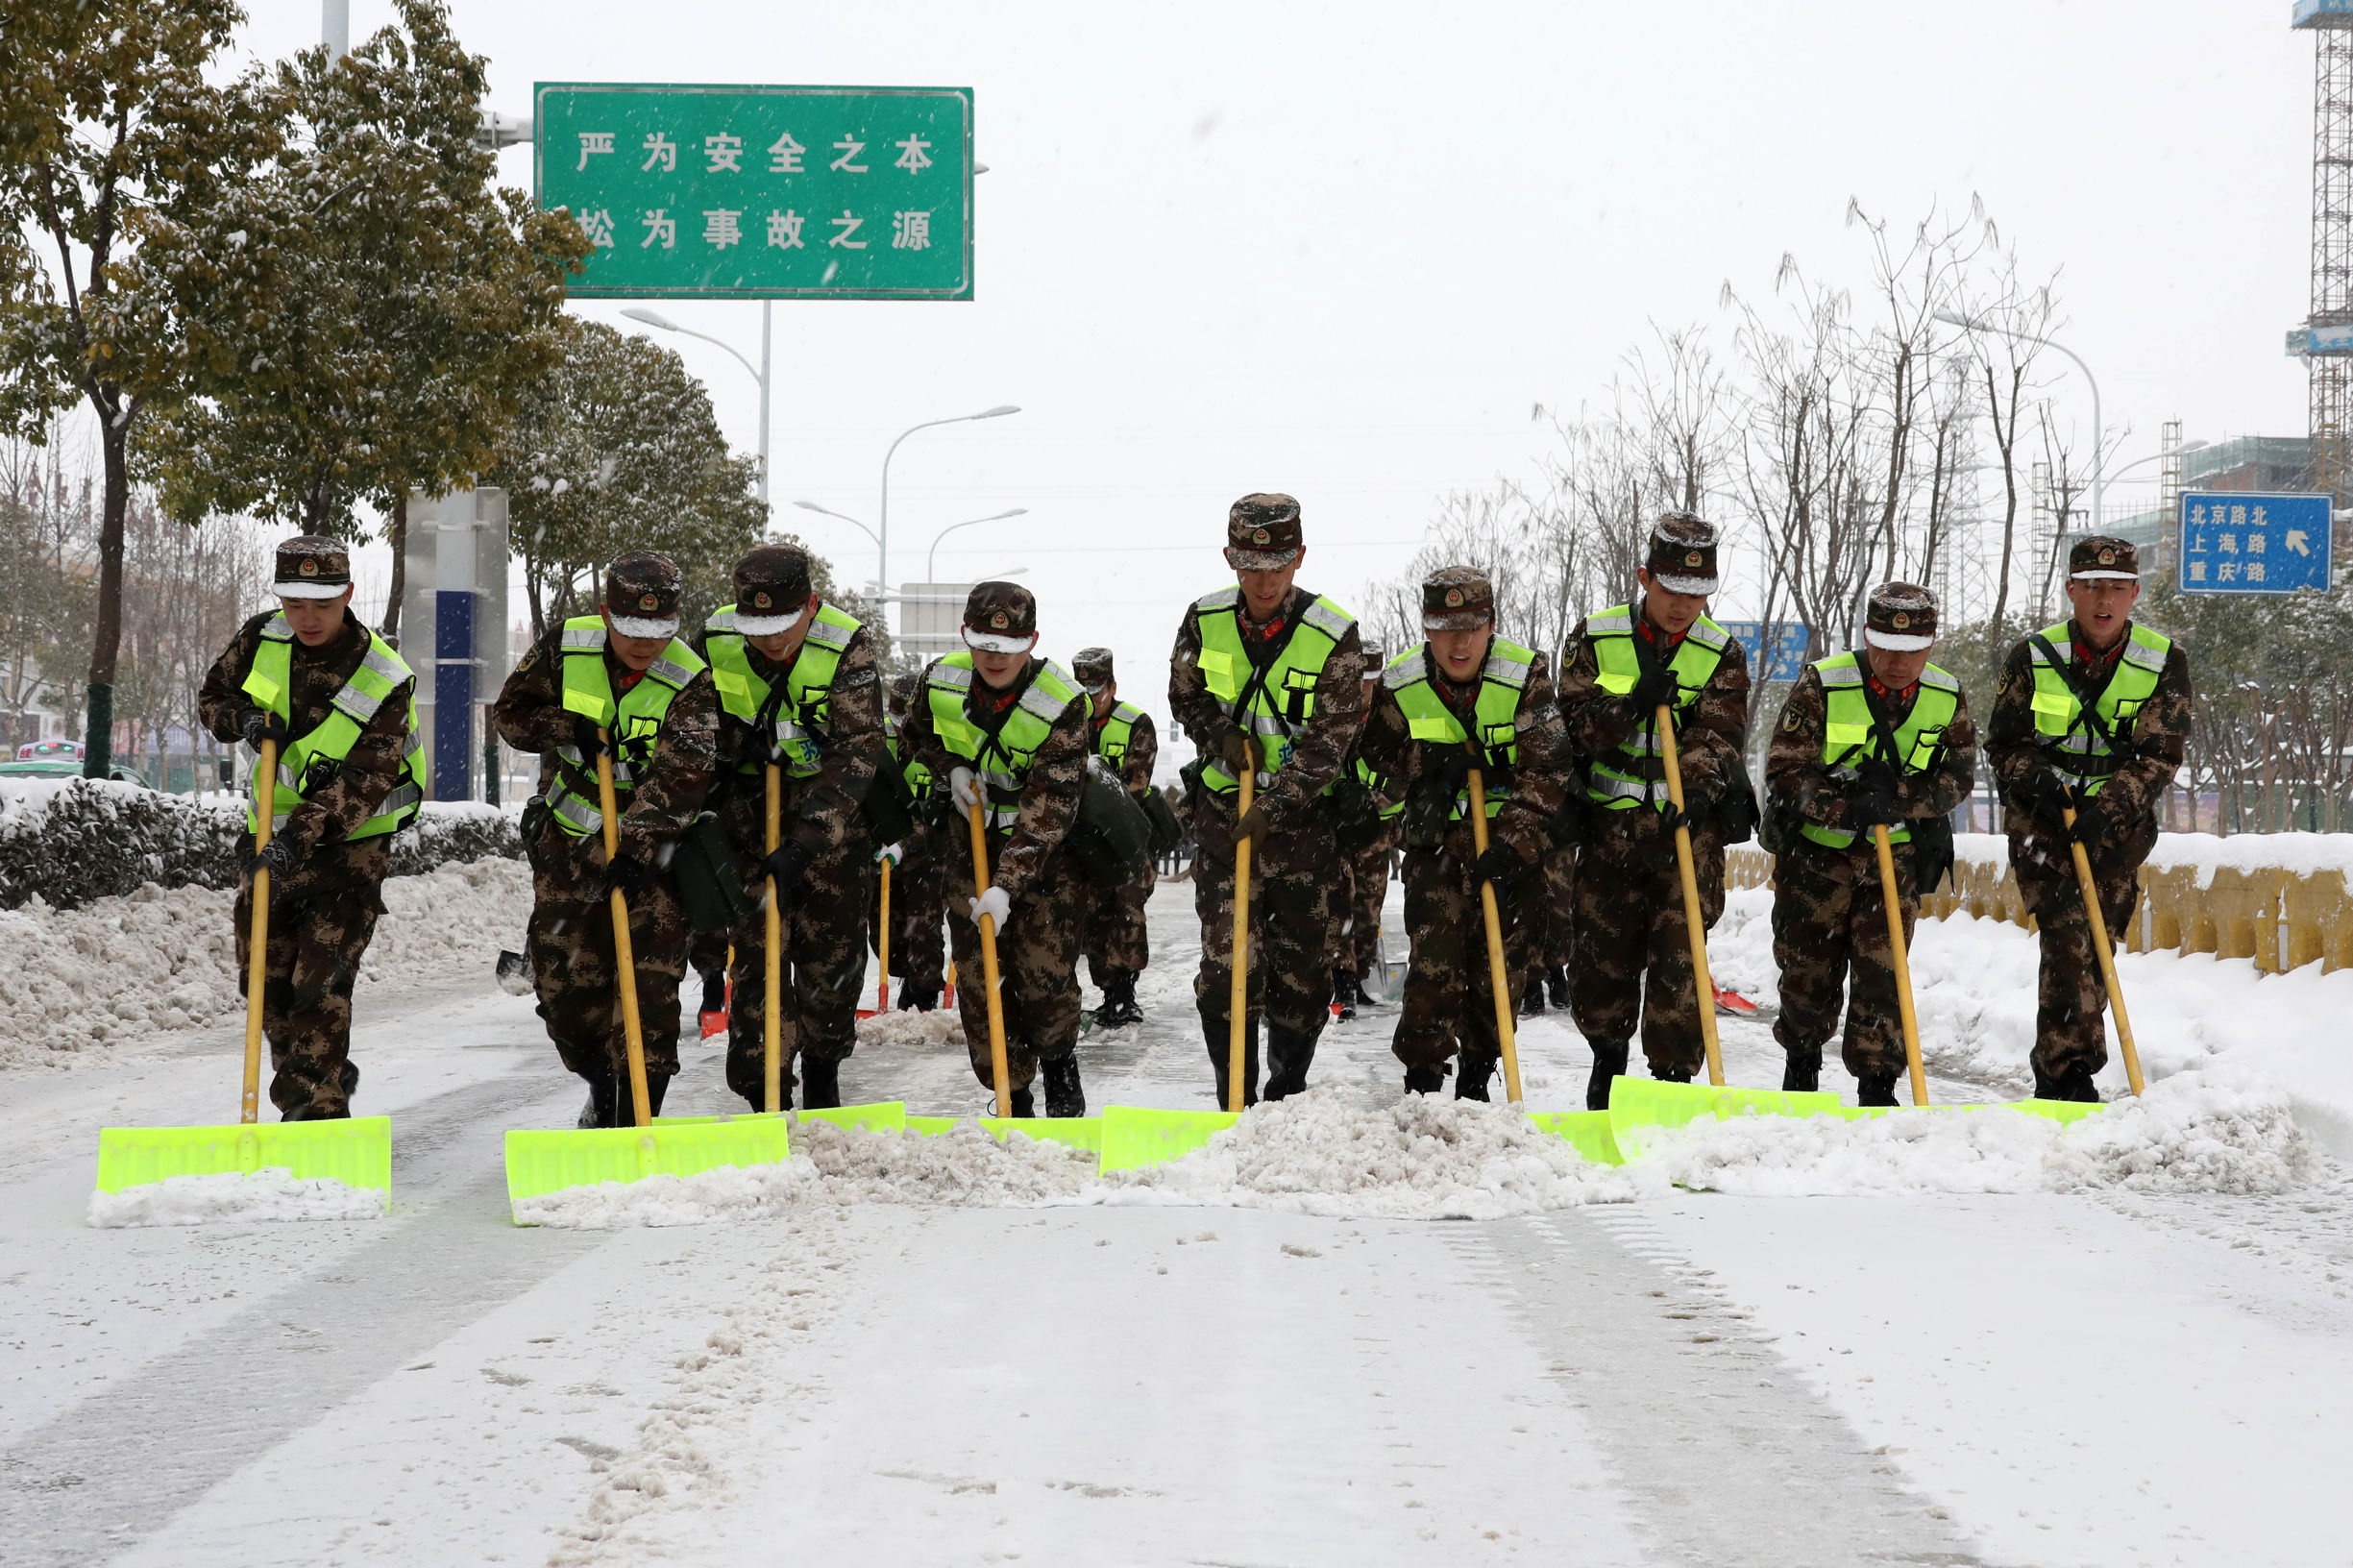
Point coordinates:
[(2192, 1133), (119, 969), (940, 1026), (1421, 1157), (706, 1198), (234, 1197)]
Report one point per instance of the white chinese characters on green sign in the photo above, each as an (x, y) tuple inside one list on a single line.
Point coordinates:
[(763, 192)]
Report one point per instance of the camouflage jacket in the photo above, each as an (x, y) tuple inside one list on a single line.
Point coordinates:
[(372, 767), (1709, 745), (530, 716), (823, 812), (1142, 752), (1539, 774), (1317, 752), (1795, 776), (2160, 739), (1049, 795)]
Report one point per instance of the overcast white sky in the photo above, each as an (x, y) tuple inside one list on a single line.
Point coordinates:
[(1342, 250)]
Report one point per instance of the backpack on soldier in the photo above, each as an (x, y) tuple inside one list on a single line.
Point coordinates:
[(710, 873), (1112, 836)]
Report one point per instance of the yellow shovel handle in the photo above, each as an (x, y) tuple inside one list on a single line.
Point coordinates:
[(2107, 957), (1497, 980), (1691, 901), (257, 967), (625, 959), (1903, 962), (882, 940), (1237, 996), (988, 969), (772, 979)]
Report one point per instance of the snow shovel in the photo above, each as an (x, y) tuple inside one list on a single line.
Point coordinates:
[(540, 1162), (2107, 956), (882, 942), (1705, 986), (988, 966), (1496, 980), (356, 1151), (1903, 963), (772, 979), (1238, 998)]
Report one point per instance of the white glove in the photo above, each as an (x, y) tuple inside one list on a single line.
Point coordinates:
[(961, 788), (892, 852), (993, 903)]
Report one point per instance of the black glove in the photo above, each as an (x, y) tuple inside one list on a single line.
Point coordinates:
[(632, 879), (1876, 797), (275, 857), (1449, 775), (587, 738), (1253, 823), (1696, 811), (788, 866), (2046, 799), (1501, 866), (2091, 822), (259, 725), (1656, 689), (1236, 751)]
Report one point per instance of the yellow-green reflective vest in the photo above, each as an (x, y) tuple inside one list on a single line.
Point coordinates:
[(1633, 773), (917, 775), (2079, 756), (801, 722), (1001, 761), (1110, 741), (1284, 702), (1428, 720), (1846, 738), (635, 722), (1376, 784), (380, 675)]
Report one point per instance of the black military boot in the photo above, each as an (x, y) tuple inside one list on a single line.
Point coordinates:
[(2078, 1084), (1473, 1073), (2045, 1087), (919, 998), (1024, 1104), (1557, 982), (1532, 995), (1065, 1097), (1609, 1062), (1288, 1054), (1802, 1070), (1673, 1075), (1425, 1080), (1118, 1009), (1344, 998), (1876, 1088), (599, 1111), (820, 1084), (1216, 1033)]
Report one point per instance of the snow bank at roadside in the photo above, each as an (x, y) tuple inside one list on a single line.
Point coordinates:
[(2193, 1133), (119, 969), (272, 1194)]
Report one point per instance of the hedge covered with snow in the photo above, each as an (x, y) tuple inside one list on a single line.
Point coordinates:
[(71, 841)]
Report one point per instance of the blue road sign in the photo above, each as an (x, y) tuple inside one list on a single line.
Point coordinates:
[(2235, 541), (1788, 660)]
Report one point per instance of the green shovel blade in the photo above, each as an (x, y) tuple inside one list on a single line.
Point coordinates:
[(1638, 1107), (1133, 1137), (541, 1162), (1078, 1132), (1587, 1132), (357, 1152)]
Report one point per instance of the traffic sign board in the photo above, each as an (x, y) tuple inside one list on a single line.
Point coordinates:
[(842, 194), (2237, 542), (1788, 654)]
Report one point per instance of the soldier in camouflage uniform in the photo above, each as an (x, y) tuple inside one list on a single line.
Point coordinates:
[(624, 671), (1623, 665), (999, 725), (1367, 805), (1112, 935), (2092, 714), (1465, 687), (919, 880), (798, 687), (1553, 943), (1877, 738), (1268, 676), (338, 700)]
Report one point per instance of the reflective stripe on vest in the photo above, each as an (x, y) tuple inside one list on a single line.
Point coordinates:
[(635, 724), (802, 723), (2079, 756), (1430, 719), (1847, 731), (1633, 773), (1005, 767), (1284, 702), (356, 702)]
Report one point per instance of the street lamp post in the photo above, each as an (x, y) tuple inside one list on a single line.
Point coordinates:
[(883, 544), (2100, 479), (931, 561), (662, 323)]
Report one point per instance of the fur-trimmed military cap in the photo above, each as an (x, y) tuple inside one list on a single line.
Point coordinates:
[(312, 567), (640, 594), (1901, 616), (1092, 667), (772, 590), (1263, 532), (902, 691), (1000, 617), (1456, 598), (1684, 553), (2101, 555)]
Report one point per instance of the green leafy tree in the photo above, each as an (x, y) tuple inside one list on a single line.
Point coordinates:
[(110, 129), (405, 307)]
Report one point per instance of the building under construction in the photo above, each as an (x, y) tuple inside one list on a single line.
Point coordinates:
[(2325, 340)]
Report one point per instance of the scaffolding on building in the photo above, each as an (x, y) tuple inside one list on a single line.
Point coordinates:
[(2326, 341)]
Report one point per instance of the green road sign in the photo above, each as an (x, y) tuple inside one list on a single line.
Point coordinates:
[(849, 193)]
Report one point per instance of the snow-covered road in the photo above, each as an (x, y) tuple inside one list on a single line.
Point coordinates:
[(1689, 1379)]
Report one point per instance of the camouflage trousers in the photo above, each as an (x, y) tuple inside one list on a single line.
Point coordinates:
[(1551, 916), (821, 972), (1368, 888), (1037, 966), (918, 905), (571, 944), (1296, 895), (1631, 947), (2072, 1000), (322, 914), (1830, 938), (1450, 994), (1112, 928)]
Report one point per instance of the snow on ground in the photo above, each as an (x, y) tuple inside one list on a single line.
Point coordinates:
[(273, 1193)]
